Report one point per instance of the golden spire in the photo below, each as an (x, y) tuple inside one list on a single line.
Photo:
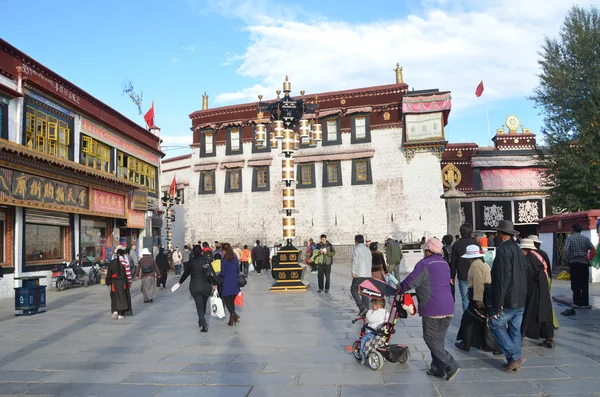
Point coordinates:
[(398, 70), (204, 101)]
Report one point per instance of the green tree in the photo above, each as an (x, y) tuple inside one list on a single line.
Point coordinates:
[(569, 96)]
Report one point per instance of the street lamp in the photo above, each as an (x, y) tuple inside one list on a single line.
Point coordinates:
[(168, 201), (286, 115)]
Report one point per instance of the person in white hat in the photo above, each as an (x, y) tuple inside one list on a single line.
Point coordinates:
[(473, 331), (537, 319), (148, 271)]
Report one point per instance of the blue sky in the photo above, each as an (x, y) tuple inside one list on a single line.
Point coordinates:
[(175, 50)]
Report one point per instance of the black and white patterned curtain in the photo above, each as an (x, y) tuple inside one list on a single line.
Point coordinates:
[(528, 211), (488, 214)]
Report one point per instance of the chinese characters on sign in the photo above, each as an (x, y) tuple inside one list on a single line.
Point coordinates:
[(136, 219), (138, 200), (58, 88), (109, 203)]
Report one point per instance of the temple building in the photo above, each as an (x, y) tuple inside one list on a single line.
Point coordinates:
[(375, 172), (76, 176), (500, 182)]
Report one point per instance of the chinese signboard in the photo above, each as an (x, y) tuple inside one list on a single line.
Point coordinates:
[(108, 203), (23, 188), (136, 219), (102, 134), (138, 200)]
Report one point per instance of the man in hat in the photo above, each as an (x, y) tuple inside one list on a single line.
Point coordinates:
[(509, 295)]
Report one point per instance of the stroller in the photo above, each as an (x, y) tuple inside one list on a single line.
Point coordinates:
[(379, 348)]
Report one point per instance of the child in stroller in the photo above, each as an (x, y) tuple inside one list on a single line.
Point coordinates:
[(373, 345)]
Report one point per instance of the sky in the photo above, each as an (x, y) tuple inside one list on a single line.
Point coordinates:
[(175, 50)]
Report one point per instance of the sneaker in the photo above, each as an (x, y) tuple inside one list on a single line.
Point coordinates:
[(314, 272), (569, 312), (204, 328), (120, 317), (452, 374), (431, 373), (326, 291), (319, 291), (115, 315)]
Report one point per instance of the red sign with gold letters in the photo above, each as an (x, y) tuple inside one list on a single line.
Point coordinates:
[(106, 202), (136, 219)]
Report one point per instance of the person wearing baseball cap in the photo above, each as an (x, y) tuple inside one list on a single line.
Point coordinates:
[(431, 280), (473, 331)]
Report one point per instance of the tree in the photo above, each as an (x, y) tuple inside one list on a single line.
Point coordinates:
[(129, 90), (569, 95)]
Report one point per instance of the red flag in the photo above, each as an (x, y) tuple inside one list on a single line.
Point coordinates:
[(173, 188), (149, 116), (479, 89)]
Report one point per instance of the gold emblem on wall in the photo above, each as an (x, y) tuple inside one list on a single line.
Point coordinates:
[(386, 116), (459, 153), (343, 101), (294, 275), (293, 257), (451, 176), (281, 276)]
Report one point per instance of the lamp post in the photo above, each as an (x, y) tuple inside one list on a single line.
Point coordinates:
[(287, 113), (169, 201)]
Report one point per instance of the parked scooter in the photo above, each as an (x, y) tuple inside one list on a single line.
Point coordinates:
[(70, 275), (94, 275)]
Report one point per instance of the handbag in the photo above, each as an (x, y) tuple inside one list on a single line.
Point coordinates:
[(216, 306), (147, 269), (241, 280)]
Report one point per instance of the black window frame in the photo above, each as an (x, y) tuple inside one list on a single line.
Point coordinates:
[(228, 188), (203, 152), (267, 145), (367, 137), (201, 185), (313, 183), (4, 120), (228, 150), (326, 182), (325, 142), (355, 180), (255, 187)]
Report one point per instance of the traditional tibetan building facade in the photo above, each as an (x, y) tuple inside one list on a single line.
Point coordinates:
[(76, 177), (376, 171), (500, 182), (180, 168)]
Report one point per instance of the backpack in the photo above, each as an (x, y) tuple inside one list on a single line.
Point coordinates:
[(208, 255)]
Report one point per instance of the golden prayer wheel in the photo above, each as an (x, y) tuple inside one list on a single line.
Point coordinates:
[(288, 141), (274, 142), (289, 200), (261, 134), (287, 85), (289, 227), (317, 132), (296, 142), (304, 129), (278, 129), (287, 170)]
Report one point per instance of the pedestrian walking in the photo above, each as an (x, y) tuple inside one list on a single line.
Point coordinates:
[(229, 273), (378, 267), (362, 262), (202, 282), (509, 295), (246, 259), (134, 259), (258, 256), (393, 254), (326, 252), (577, 247), (163, 264), (119, 283), (431, 281), (448, 240), (186, 255), (460, 265), (548, 265), (148, 270), (177, 259)]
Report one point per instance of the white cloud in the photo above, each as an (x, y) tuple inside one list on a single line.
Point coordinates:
[(189, 48), (174, 60), (449, 44)]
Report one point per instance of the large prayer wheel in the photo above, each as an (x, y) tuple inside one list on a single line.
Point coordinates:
[(288, 141), (287, 170), (274, 142), (278, 129), (317, 132), (289, 200), (296, 142), (289, 227), (304, 129), (261, 134)]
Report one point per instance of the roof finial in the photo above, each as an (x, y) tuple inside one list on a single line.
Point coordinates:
[(204, 101), (399, 78)]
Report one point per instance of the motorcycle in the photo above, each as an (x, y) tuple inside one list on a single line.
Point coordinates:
[(95, 273), (70, 275)]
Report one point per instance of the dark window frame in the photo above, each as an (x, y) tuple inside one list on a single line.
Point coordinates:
[(203, 152), (255, 187), (325, 142), (326, 182), (228, 150), (228, 188), (299, 184), (4, 120), (367, 137), (201, 185), (355, 180), (267, 145)]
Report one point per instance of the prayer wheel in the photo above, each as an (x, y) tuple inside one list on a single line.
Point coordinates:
[(296, 142), (304, 129), (289, 227), (261, 134), (317, 132), (287, 170), (274, 142), (288, 141), (278, 128), (289, 200)]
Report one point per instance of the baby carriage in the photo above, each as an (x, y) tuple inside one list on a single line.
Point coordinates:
[(379, 347)]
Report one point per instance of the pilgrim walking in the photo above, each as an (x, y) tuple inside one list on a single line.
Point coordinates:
[(148, 270), (119, 283), (163, 264)]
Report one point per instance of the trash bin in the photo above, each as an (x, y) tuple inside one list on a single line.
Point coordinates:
[(30, 296)]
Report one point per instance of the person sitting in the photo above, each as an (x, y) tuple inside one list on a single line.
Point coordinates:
[(374, 318)]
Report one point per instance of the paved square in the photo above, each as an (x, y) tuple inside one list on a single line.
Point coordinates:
[(288, 344)]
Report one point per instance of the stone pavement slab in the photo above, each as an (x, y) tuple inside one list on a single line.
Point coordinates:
[(168, 379), (294, 391), (204, 391), (110, 390)]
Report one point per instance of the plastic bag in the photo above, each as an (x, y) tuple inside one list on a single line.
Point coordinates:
[(564, 275), (251, 268), (216, 305), (239, 299)]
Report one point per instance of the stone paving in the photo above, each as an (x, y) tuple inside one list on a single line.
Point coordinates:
[(288, 344)]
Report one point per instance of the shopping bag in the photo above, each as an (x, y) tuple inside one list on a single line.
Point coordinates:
[(251, 268), (216, 306), (239, 299)]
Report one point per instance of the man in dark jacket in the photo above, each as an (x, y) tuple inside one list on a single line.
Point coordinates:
[(163, 264), (326, 260), (459, 266), (509, 295), (258, 257)]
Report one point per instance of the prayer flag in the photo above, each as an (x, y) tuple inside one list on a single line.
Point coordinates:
[(479, 89)]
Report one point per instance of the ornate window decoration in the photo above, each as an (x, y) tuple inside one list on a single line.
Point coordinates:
[(528, 212), (332, 173), (260, 179), (361, 172), (233, 180), (47, 133), (95, 154), (207, 182), (306, 176), (136, 171), (492, 215)]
